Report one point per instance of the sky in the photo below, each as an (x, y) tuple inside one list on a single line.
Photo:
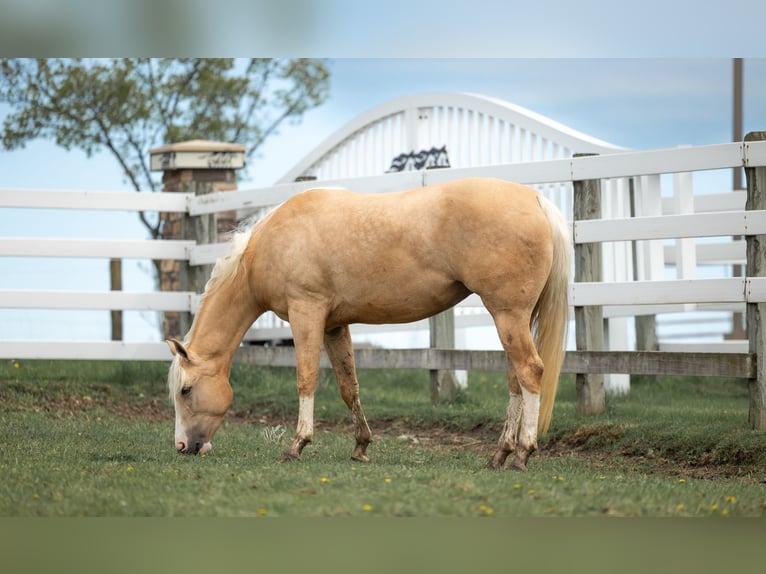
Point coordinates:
[(637, 103)]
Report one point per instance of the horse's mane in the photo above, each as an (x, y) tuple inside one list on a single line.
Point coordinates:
[(227, 267)]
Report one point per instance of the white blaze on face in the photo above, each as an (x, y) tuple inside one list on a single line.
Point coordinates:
[(182, 437), (182, 440)]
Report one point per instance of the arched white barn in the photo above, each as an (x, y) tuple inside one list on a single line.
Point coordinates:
[(477, 130)]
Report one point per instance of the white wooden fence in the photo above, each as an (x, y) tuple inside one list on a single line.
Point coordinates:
[(620, 298), (646, 294)]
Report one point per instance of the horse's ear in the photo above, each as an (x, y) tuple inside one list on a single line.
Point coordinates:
[(177, 348)]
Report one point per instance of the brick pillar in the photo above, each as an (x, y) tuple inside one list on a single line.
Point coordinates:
[(197, 167)]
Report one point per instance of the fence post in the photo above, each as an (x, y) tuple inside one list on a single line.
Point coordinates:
[(756, 312), (589, 321), (197, 167), (442, 336), (115, 281)]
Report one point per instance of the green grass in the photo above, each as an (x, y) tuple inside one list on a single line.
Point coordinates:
[(96, 439)]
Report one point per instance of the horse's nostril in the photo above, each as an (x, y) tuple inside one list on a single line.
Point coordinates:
[(180, 446)]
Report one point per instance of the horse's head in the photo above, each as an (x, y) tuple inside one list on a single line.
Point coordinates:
[(201, 394)]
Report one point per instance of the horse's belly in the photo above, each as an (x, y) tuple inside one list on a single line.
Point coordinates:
[(398, 304)]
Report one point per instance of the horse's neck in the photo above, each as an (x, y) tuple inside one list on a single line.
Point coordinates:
[(223, 318)]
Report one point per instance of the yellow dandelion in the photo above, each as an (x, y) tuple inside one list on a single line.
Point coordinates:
[(16, 365), (262, 511), (725, 512), (388, 480), (531, 491), (367, 507), (714, 507), (489, 511), (601, 477), (560, 478), (324, 480), (680, 507), (129, 469), (36, 496), (681, 480), (731, 499), (517, 486)]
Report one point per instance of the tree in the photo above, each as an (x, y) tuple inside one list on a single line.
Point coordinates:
[(128, 106)]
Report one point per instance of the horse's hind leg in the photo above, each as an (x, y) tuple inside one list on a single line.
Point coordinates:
[(340, 351), (525, 369)]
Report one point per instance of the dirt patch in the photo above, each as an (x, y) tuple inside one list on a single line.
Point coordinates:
[(96, 402)]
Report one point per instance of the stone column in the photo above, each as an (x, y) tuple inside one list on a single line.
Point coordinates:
[(197, 167)]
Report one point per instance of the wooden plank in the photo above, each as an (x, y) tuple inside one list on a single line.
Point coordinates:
[(671, 226), (728, 346), (726, 290), (106, 248), (670, 160), (91, 351), (208, 254), (98, 200), (737, 365), (96, 300), (431, 359)]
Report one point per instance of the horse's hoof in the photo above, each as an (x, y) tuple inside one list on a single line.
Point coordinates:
[(360, 457), (519, 462), (498, 459), (290, 457)]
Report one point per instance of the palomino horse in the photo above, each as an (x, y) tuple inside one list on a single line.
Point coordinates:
[(327, 258)]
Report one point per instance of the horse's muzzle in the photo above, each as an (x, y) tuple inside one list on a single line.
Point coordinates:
[(196, 447)]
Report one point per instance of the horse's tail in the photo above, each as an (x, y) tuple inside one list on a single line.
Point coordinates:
[(551, 314)]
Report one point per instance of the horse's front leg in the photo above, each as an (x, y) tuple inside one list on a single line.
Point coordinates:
[(307, 336)]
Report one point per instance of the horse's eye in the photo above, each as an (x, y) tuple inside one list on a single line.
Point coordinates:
[(185, 391)]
